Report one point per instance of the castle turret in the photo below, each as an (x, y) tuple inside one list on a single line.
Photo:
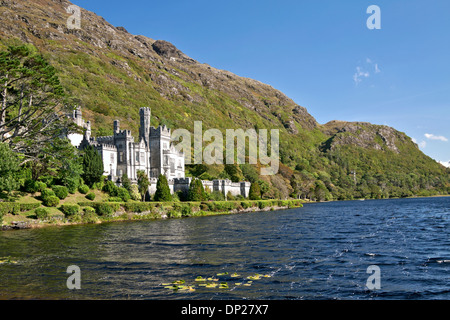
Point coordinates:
[(144, 129), (116, 126)]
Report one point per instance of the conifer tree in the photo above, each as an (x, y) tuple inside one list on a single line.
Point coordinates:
[(196, 191), (162, 190), (255, 191), (92, 166)]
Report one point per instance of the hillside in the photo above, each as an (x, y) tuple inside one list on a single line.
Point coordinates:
[(112, 73)]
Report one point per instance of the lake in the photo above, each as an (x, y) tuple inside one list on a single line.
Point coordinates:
[(320, 251)]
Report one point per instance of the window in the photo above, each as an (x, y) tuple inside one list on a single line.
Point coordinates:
[(121, 156), (137, 157)]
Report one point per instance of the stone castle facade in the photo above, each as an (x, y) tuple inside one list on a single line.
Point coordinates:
[(153, 153)]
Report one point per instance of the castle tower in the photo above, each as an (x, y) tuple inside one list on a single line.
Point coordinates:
[(116, 126), (144, 129)]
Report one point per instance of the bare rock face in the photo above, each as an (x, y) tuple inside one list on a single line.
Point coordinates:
[(362, 134)]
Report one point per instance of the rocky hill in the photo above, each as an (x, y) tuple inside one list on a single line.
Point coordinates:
[(113, 73)]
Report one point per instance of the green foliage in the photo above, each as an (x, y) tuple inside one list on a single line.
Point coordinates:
[(123, 194), (143, 183), (255, 191), (42, 213), (105, 209), (90, 196), (196, 191), (15, 208), (162, 193), (51, 201), (9, 169), (70, 210), (61, 192), (83, 189), (110, 188), (47, 193), (89, 215), (32, 186), (92, 166), (33, 103)]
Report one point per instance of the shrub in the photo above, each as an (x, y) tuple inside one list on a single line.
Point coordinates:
[(61, 191), (89, 215), (32, 186), (123, 194), (42, 213), (114, 199), (47, 193), (90, 196), (104, 209), (110, 188), (70, 210), (51, 201), (83, 189)]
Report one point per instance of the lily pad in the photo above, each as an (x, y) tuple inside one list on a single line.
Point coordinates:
[(222, 274), (235, 275), (200, 278), (179, 282), (223, 285)]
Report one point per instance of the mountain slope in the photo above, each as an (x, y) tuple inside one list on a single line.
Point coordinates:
[(113, 73)]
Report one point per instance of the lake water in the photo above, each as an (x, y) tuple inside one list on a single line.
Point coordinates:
[(320, 251)]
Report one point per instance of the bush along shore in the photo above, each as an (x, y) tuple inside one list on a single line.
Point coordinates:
[(88, 212)]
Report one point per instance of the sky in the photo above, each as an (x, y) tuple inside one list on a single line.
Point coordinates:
[(320, 53)]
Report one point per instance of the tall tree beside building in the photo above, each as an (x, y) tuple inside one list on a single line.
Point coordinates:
[(196, 191), (143, 183), (162, 190), (92, 166), (255, 191)]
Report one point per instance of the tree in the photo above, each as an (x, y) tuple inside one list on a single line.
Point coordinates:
[(33, 106), (255, 191), (143, 183), (9, 169), (162, 189), (126, 182), (196, 191), (92, 166)]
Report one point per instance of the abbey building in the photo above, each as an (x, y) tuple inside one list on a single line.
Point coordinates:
[(153, 153)]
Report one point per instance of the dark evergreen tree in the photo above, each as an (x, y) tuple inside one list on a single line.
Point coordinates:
[(162, 190), (196, 191), (92, 166), (255, 191)]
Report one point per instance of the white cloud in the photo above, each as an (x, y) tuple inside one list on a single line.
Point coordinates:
[(433, 137), (360, 74), (421, 144), (377, 69)]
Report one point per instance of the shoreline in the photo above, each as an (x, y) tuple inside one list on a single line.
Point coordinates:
[(148, 211)]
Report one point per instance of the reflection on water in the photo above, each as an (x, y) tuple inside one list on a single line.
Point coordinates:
[(321, 251)]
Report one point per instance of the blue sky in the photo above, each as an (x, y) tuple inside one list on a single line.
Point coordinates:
[(319, 53)]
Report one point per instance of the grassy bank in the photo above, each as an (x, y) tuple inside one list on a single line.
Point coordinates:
[(28, 215)]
